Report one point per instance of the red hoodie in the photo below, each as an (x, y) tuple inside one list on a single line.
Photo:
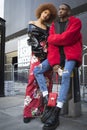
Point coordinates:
[(70, 39)]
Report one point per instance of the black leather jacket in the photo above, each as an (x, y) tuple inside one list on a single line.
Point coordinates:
[(36, 36)]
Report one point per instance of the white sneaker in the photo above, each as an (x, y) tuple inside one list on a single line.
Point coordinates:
[(60, 71)]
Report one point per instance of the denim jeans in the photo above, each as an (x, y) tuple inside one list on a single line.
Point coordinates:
[(65, 83), (39, 74)]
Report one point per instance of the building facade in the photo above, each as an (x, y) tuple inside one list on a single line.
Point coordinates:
[(18, 13)]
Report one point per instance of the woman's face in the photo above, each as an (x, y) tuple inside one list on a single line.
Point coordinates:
[(45, 15)]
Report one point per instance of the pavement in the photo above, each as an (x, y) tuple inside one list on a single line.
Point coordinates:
[(11, 118)]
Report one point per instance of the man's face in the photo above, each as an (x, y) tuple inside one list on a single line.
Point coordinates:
[(63, 11)]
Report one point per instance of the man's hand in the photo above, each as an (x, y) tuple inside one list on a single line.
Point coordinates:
[(55, 68)]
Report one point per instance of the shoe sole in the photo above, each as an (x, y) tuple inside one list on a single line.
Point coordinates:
[(26, 121), (52, 127)]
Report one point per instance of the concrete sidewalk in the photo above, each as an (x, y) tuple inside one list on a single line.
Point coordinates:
[(11, 109)]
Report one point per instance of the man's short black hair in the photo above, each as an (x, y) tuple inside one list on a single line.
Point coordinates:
[(67, 6)]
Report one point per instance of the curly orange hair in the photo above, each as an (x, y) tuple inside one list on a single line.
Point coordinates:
[(47, 6)]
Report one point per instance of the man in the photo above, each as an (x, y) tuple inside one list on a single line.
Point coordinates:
[(64, 49)]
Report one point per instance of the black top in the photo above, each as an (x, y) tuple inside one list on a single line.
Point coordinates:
[(60, 28), (37, 39), (62, 55)]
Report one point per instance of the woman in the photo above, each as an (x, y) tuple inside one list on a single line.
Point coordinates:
[(38, 32)]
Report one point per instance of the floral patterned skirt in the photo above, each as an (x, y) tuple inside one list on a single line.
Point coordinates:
[(33, 103)]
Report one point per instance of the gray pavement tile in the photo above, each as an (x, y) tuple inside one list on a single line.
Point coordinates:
[(11, 109)]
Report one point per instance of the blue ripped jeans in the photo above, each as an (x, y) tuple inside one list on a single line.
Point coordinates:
[(39, 74), (65, 83)]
